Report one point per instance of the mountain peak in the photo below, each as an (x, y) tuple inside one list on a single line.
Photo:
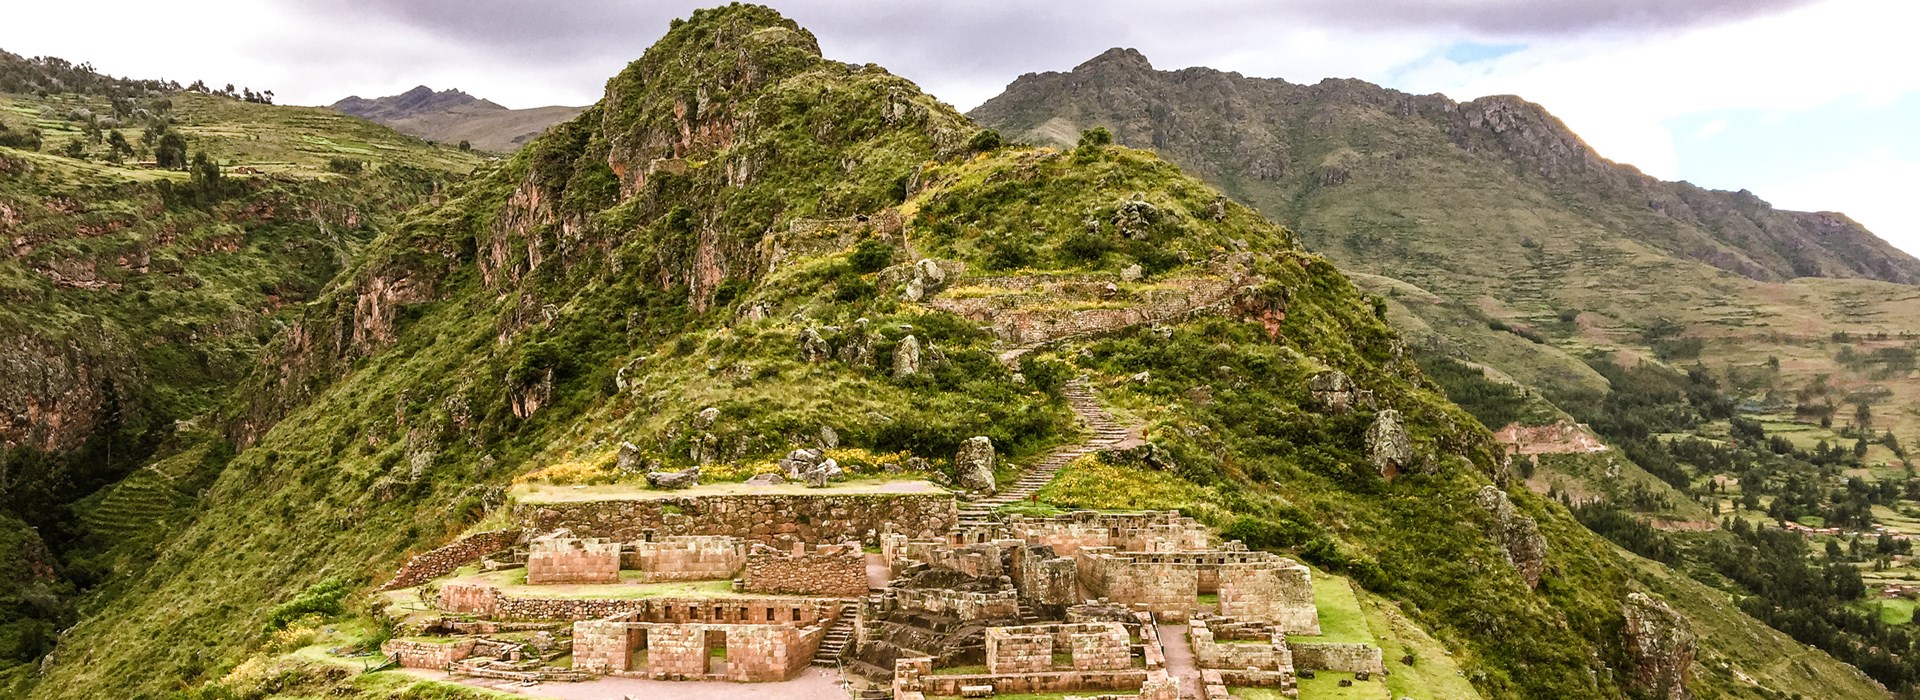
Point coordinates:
[(1118, 57)]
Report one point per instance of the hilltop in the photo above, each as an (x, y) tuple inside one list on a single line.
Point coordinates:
[(452, 117)]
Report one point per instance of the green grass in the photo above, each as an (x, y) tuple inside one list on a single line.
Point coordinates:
[(1893, 611), (1341, 619)]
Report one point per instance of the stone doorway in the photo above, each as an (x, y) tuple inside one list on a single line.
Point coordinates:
[(636, 649), (716, 653)]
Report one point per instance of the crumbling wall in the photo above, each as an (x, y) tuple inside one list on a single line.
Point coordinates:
[(431, 655), (440, 562), (687, 558), (963, 605), (837, 571), (1279, 591)]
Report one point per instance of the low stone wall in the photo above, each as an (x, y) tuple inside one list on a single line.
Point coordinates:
[(838, 571), (1348, 658), (687, 558), (1128, 532), (1251, 585), (1050, 682), (776, 519), (488, 601), (429, 655), (961, 604), (1091, 646), (440, 562)]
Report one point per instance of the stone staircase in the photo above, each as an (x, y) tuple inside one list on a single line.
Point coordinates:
[(836, 638), (1107, 434)]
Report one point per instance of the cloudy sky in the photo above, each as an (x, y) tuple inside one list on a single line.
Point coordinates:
[(1811, 104)]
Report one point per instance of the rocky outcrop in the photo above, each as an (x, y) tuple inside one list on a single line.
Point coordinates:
[(1389, 446), (973, 466), (1333, 391), (1519, 535), (1660, 648), (906, 357)]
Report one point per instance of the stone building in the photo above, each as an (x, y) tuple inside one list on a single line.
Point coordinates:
[(835, 570), (741, 640), (686, 558)]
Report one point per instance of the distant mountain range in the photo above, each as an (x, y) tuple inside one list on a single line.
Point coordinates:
[(452, 116)]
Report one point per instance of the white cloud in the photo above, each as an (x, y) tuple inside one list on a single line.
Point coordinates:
[(1710, 129), (1875, 190)]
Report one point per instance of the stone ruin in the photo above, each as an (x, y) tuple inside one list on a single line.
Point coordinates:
[(1065, 604)]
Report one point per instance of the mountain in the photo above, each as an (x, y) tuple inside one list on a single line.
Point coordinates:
[(137, 298), (753, 263), (452, 116), (1724, 354)]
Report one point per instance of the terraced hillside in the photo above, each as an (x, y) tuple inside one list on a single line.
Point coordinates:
[(136, 297)]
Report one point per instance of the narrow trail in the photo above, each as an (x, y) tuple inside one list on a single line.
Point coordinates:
[(1107, 434)]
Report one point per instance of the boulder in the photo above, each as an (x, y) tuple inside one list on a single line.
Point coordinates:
[(813, 346), (1389, 446), (826, 471), (674, 480), (828, 438), (906, 357), (628, 458), (973, 465), (1132, 273), (706, 418), (1660, 648), (1217, 210), (1333, 391), (800, 461), (766, 480), (926, 278), (1519, 535)]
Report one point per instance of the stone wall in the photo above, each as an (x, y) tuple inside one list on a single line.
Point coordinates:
[(429, 655), (1347, 658), (1280, 592), (960, 604), (570, 560), (775, 519), (1128, 532), (1212, 647), (837, 571), (1049, 682), (1019, 650), (1046, 580), (687, 558), (686, 651), (489, 601), (440, 562)]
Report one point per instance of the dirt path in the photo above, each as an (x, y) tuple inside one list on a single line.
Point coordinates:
[(1107, 435), (811, 684), (1173, 638), (877, 572)]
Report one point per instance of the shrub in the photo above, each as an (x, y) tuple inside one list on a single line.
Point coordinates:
[(1009, 255), (346, 166), (323, 599), (1085, 247), (986, 140), (870, 256), (1096, 137)]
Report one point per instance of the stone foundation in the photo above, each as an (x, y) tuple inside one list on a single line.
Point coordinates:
[(440, 562)]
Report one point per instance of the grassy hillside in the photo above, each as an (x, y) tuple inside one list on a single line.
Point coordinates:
[(730, 228), (136, 297)]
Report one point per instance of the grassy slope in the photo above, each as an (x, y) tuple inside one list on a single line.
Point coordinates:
[(420, 435)]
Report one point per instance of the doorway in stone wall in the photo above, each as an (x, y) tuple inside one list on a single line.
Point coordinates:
[(716, 657), (636, 649)]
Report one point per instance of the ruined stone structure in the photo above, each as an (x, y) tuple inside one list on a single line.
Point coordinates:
[(834, 571), (1244, 653), (686, 558), (775, 519), (571, 560), (1129, 532), (435, 655), (440, 562), (1250, 585), (1088, 646), (1347, 658), (748, 645)]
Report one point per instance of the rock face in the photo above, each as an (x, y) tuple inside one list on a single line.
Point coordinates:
[(973, 466), (1333, 391), (813, 346), (906, 357), (1519, 535), (674, 480), (705, 419), (1660, 647), (1389, 446)]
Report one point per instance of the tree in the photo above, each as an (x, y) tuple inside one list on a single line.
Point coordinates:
[(117, 144), (76, 149), (1096, 137), (466, 145), (1863, 416), (986, 141), (171, 154)]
